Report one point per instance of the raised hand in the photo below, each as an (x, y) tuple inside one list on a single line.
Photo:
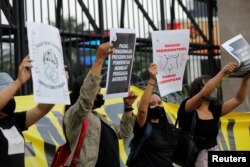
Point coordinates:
[(153, 70), (229, 68), (103, 51), (24, 72), (128, 101)]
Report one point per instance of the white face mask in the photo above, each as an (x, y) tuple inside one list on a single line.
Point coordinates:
[(213, 96)]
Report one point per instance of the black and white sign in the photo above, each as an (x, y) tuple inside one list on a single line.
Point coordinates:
[(120, 62), (239, 48), (45, 49)]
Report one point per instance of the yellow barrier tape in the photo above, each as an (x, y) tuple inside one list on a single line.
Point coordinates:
[(44, 137)]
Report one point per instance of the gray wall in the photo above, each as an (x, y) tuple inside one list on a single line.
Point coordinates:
[(234, 19)]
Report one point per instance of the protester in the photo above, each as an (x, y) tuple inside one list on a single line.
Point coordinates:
[(157, 150), (13, 124), (204, 103), (100, 147)]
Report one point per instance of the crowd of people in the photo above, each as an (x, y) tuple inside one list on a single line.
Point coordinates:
[(101, 147)]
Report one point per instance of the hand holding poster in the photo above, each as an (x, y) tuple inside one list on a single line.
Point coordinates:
[(120, 62), (48, 73), (240, 50), (170, 53)]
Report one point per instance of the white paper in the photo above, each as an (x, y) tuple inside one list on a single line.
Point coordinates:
[(120, 62), (48, 74), (239, 48), (15, 140), (170, 53)]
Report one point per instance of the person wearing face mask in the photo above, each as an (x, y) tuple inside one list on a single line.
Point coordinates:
[(100, 147), (12, 124), (204, 103), (157, 149)]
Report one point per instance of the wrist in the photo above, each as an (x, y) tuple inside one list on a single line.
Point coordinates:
[(99, 61), (223, 73), (151, 82), (128, 107), (18, 83)]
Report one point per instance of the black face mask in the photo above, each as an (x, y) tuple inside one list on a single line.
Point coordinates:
[(10, 107), (156, 113), (99, 101)]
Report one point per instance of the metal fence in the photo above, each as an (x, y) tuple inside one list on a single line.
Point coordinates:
[(84, 24)]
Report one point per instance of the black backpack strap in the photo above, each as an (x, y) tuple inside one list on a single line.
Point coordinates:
[(145, 136)]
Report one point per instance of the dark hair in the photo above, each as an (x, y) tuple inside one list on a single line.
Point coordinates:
[(156, 93), (74, 94), (198, 84), (153, 93), (164, 122), (168, 130)]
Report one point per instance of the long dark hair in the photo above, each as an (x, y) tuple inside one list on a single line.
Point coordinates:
[(164, 123), (168, 129), (164, 116), (196, 87), (197, 84)]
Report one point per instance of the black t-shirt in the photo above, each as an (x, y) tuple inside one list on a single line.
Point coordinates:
[(109, 149), (156, 151), (206, 131), (16, 160)]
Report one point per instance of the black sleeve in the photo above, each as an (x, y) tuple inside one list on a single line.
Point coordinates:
[(185, 118), (20, 120)]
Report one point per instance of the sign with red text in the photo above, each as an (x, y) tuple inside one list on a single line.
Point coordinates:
[(170, 53)]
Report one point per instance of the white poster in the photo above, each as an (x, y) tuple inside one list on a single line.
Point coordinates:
[(120, 62), (239, 48), (170, 53), (48, 74)]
